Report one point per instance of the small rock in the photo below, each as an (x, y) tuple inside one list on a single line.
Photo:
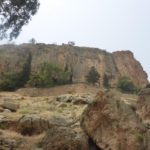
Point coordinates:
[(11, 105), (6, 111)]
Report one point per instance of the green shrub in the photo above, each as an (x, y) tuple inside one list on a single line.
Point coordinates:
[(10, 81), (126, 85), (140, 137), (93, 76), (49, 75)]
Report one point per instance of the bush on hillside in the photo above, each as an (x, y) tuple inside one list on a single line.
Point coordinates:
[(106, 81), (10, 81), (49, 75), (126, 85), (93, 76)]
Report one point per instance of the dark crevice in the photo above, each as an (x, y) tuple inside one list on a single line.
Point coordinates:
[(92, 145)]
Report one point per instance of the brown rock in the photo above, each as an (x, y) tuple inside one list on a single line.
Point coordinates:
[(114, 125), (143, 105), (32, 124), (62, 138), (11, 105), (127, 65)]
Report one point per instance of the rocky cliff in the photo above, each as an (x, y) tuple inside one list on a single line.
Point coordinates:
[(28, 58)]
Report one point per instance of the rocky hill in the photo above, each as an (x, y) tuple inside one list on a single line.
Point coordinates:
[(20, 62)]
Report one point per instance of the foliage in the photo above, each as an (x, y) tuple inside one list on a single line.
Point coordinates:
[(93, 76), (71, 43), (106, 81), (139, 137), (10, 81), (14, 14), (48, 76), (32, 41), (126, 85), (148, 85)]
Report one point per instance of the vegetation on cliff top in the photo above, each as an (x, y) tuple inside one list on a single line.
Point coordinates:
[(49, 75)]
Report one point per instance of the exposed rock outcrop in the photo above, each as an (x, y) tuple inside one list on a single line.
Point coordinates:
[(143, 106), (62, 138), (75, 98), (114, 125), (78, 60)]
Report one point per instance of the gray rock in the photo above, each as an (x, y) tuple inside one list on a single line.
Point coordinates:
[(11, 105), (64, 138), (76, 98)]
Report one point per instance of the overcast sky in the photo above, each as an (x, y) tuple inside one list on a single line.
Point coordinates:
[(107, 24)]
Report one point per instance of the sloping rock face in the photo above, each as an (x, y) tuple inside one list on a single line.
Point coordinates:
[(127, 65), (143, 106), (77, 60), (114, 125)]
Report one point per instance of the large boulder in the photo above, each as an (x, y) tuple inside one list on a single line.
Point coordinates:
[(64, 138), (10, 104), (32, 124), (114, 125)]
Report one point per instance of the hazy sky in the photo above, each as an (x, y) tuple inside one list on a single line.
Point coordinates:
[(107, 24)]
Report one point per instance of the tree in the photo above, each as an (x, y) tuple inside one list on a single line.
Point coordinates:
[(71, 43), (32, 41), (14, 14), (93, 76), (106, 81), (126, 85)]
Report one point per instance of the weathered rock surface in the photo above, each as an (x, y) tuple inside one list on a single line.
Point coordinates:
[(32, 124), (62, 138), (76, 98), (143, 106), (114, 125), (127, 65), (78, 60), (10, 144), (10, 105)]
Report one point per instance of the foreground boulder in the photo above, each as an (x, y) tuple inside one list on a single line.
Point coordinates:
[(114, 125), (64, 138), (32, 124)]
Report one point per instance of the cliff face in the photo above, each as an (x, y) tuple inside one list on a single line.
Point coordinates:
[(78, 60)]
